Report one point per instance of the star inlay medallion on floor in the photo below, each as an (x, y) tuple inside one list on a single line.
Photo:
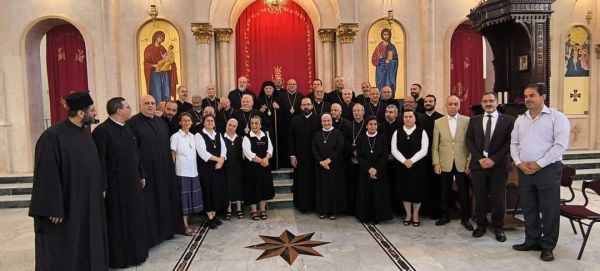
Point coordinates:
[(288, 246)]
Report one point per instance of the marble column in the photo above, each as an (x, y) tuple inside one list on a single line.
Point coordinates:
[(327, 37), (428, 70), (346, 33), (4, 129), (223, 38), (203, 33)]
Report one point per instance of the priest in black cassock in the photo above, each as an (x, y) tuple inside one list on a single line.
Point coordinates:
[(269, 107), (161, 192), (196, 113), (328, 149), (67, 203), (375, 107), (357, 128), (320, 105), (235, 96), (182, 104), (373, 202), (245, 113), (364, 97), (338, 122), (125, 205), (347, 104), (432, 204), (224, 114), (170, 116), (290, 107), (388, 127), (387, 96), (301, 132), (211, 97), (335, 96)]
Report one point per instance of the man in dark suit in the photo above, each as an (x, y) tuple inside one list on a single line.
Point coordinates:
[(488, 141)]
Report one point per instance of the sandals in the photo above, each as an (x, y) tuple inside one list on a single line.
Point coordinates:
[(321, 216), (254, 216), (263, 215), (189, 231), (406, 222), (416, 223), (228, 216), (332, 217), (240, 214)]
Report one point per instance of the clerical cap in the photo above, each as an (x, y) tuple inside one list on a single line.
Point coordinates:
[(79, 100)]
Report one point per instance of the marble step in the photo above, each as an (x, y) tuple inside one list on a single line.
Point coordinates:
[(7, 189), (583, 163), (16, 178), (572, 155), (283, 173), (587, 174), (14, 201), (282, 200), (283, 186)]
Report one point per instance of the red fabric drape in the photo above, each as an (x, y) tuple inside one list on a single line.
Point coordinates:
[(266, 42), (466, 67), (67, 66)]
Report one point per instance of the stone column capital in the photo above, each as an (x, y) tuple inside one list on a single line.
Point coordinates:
[(327, 35), (203, 32), (347, 32), (223, 34)]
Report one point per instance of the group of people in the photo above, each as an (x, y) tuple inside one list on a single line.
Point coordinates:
[(103, 199)]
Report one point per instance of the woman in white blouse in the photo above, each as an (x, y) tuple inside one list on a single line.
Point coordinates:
[(212, 152), (409, 146), (183, 151), (258, 181)]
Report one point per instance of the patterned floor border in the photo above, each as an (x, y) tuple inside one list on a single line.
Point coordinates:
[(399, 260), (192, 248)]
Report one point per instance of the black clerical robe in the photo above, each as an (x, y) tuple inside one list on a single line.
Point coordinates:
[(235, 97), (290, 107), (347, 110), (300, 133), (182, 107), (125, 205), (211, 102), (196, 121), (321, 107), (377, 110), (373, 200), (420, 105), (335, 96), (172, 124), (330, 183), (431, 205), (388, 129), (273, 115), (355, 130), (362, 99), (163, 205), (221, 119), (67, 183), (243, 119)]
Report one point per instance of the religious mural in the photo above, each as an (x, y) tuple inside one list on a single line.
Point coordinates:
[(577, 71), (159, 59), (386, 51)]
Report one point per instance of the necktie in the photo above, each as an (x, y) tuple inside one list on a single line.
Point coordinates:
[(488, 134)]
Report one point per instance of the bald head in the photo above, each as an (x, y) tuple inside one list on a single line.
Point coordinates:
[(147, 106), (452, 105)]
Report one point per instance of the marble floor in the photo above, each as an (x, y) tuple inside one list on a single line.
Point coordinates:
[(351, 247)]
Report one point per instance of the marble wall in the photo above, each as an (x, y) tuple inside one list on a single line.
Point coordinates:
[(110, 27)]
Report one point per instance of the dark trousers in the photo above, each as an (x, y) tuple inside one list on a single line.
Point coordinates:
[(490, 182), (540, 193), (463, 192)]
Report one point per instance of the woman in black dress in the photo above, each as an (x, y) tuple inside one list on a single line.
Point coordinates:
[(258, 181), (328, 148), (233, 167), (409, 147), (267, 104), (372, 195), (212, 152)]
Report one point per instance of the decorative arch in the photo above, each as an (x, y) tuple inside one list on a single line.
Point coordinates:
[(275, 45), (159, 59), (33, 98), (387, 61), (576, 71)]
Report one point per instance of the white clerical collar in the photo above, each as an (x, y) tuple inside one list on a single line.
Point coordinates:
[(328, 130), (372, 135), (120, 123), (390, 122), (308, 116), (259, 136), (429, 113)]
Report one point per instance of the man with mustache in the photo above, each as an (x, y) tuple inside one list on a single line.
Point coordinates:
[(415, 92)]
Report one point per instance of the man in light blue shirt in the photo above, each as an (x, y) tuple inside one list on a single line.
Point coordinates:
[(538, 141)]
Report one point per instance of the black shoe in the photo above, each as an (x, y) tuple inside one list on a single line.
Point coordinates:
[(479, 231), (212, 224), (499, 232), (547, 255), (467, 225), (442, 221), (527, 247), (217, 221)]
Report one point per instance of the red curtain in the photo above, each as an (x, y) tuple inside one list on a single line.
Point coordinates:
[(67, 66), (275, 44), (466, 67)]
